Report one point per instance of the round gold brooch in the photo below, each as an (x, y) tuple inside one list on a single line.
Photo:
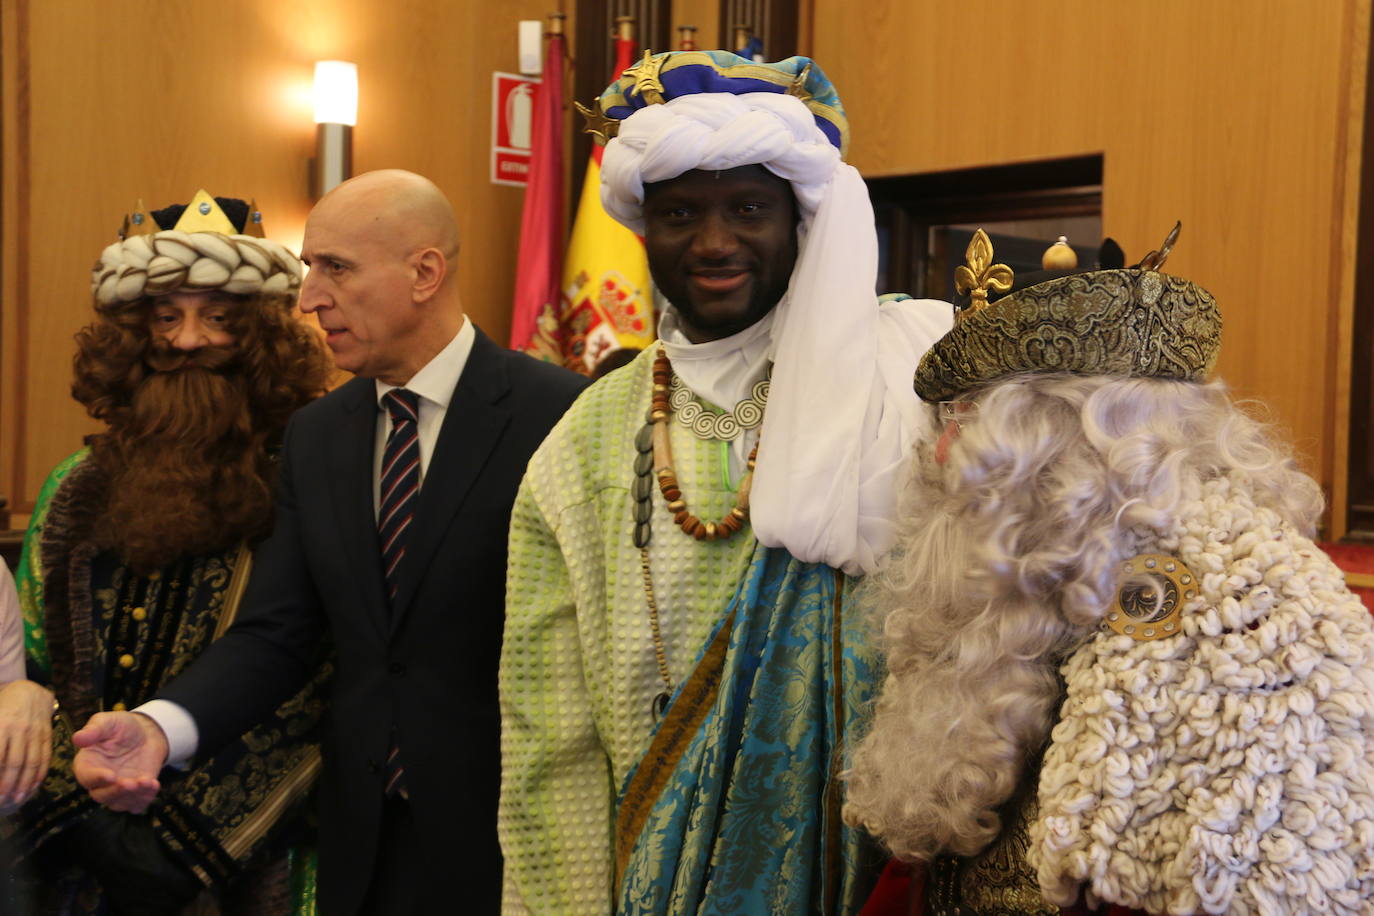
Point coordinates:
[(1150, 601)]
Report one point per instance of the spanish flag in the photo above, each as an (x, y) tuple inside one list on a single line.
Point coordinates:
[(607, 300)]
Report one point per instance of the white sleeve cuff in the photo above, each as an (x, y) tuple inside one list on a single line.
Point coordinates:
[(176, 723)]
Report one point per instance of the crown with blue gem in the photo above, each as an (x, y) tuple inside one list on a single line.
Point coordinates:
[(212, 243)]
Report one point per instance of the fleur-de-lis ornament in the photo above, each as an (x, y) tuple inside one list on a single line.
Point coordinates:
[(980, 274)]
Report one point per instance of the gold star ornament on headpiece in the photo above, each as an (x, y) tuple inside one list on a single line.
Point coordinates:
[(798, 87), (601, 127), (647, 84)]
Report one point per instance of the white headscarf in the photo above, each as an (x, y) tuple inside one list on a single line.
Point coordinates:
[(842, 417)]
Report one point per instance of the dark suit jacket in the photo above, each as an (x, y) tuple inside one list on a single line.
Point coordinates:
[(426, 670)]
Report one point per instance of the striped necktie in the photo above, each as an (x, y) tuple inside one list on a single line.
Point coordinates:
[(400, 488), (400, 481)]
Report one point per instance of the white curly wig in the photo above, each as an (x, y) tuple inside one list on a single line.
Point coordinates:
[(1004, 575)]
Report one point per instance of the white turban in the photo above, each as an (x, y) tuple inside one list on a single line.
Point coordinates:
[(842, 417), (713, 132)]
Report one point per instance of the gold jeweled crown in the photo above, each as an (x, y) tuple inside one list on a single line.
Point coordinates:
[(1133, 322), (203, 251)]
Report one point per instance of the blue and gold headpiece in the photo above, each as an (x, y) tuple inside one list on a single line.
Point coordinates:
[(659, 78)]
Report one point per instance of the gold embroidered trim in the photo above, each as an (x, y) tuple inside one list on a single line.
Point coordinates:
[(234, 594), (266, 814), (675, 733)]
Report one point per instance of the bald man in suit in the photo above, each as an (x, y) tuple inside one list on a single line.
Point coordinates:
[(411, 750)]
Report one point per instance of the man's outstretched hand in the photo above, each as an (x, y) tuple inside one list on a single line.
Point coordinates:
[(118, 758)]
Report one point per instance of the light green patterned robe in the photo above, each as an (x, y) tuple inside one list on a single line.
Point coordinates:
[(578, 675)]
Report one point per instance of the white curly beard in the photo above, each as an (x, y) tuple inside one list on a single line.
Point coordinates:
[(1229, 769)]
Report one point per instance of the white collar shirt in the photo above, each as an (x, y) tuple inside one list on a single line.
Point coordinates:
[(434, 384)]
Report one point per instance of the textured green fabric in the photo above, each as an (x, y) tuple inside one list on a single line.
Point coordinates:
[(29, 576), (578, 673)]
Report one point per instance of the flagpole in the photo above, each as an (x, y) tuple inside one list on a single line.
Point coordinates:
[(608, 300), (539, 265)]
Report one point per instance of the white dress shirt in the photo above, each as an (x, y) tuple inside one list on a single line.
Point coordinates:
[(435, 384)]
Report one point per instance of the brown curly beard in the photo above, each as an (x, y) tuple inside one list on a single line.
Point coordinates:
[(187, 475), (187, 455)]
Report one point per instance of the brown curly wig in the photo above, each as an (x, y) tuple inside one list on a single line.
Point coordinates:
[(188, 453)]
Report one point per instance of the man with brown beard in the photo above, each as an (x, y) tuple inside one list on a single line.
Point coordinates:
[(139, 548), (393, 506)]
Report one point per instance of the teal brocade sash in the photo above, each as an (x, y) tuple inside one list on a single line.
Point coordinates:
[(735, 808)]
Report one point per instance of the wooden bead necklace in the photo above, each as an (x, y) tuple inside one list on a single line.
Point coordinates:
[(667, 477), (654, 459)]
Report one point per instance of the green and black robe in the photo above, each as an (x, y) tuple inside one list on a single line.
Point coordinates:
[(105, 638)]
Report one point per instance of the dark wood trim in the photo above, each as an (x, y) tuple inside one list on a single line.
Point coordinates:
[(1040, 176), (1360, 473), (777, 22), (590, 66), (23, 179), (11, 544), (907, 207), (595, 57)]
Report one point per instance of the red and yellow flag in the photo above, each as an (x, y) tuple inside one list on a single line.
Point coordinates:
[(607, 297)]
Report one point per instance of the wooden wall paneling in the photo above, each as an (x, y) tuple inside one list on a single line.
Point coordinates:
[(1215, 114), (152, 100), (14, 113), (705, 15), (806, 20)]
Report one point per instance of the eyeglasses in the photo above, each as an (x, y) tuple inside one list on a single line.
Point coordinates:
[(957, 412)]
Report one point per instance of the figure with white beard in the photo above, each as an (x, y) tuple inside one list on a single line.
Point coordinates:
[(1121, 675)]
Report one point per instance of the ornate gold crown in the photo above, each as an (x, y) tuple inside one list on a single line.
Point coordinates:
[(203, 251), (1133, 322)]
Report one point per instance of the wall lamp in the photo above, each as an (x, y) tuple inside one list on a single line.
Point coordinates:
[(336, 112)]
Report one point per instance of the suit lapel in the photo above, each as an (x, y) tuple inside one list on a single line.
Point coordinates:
[(472, 427), (351, 488)]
